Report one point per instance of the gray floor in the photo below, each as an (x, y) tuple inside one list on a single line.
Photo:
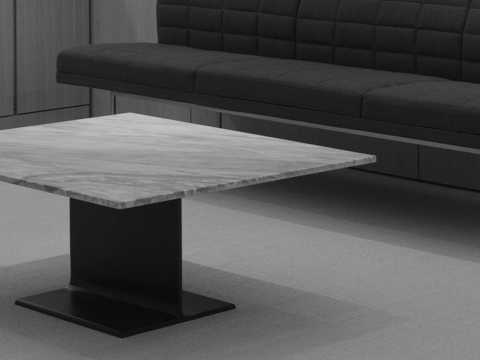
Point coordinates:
[(340, 265)]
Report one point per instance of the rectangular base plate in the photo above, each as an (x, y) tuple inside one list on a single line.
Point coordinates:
[(118, 318)]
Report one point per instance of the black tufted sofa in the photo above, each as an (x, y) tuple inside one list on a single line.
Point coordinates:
[(406, 68)]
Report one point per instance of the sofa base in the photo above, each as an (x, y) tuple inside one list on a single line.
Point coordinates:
[(393, 157), (447, 167)]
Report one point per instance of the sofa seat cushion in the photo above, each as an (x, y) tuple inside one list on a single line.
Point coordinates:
[(161, 65), (446, 105), (303, 84)]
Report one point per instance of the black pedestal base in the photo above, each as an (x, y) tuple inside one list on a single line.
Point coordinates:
[(117, 318), (126, 271)]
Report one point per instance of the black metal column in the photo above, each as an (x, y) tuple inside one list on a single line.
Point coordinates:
[(126, 271)]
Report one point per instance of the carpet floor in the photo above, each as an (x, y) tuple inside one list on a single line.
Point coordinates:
[(341, 265)]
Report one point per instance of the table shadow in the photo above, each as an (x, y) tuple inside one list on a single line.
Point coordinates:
[(271, 321)]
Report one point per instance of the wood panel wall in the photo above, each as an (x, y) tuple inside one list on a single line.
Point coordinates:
[(206, 117), (44, 28), (44, 117), (7, 68), (152, 108)]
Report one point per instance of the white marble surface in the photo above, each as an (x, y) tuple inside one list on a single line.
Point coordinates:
[(129, 160)]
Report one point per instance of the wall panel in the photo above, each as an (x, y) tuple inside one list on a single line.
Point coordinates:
[(44, 117), (152, 108), (205, 117), (43, 29), (7, 67)]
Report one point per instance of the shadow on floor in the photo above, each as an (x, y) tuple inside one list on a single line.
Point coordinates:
[(427, 217), (270, 320)]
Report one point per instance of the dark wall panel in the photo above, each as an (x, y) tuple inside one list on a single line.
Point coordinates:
[(44, 117), (43, 29), (6, 58)]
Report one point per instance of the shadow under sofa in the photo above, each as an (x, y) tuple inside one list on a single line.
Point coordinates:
[(403, 72)]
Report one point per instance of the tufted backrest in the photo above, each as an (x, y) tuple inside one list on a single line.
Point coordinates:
[(427, 37)]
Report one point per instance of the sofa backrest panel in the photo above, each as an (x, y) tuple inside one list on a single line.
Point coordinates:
[(256, 27), (427, 37), (471, 44)]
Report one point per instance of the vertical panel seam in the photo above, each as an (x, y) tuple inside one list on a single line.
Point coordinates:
[(335, 32), (223, 28), (258, 26), (374, 50), (15, 67), (296, 27), (90, 40), (415, 53), (189, 41), (463, 39)]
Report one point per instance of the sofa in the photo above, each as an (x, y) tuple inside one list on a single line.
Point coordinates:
[(403, 68)]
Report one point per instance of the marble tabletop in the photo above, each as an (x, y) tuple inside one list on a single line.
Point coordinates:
[(129, 160)]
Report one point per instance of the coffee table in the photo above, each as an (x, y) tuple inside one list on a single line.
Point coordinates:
[(125, 176)]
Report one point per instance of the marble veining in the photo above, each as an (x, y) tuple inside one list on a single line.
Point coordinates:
[(129, 160)]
